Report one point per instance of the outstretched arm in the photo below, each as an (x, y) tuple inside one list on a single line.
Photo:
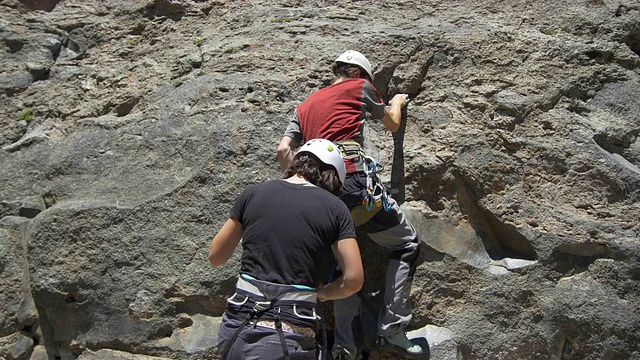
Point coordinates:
[(225, 241), (393, 114), (286, 151), (347, 253)]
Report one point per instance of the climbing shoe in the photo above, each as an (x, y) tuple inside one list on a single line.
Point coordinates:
[(400, 345)]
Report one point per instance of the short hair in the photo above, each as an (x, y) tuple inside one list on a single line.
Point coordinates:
[(348, 70), (316, 172)]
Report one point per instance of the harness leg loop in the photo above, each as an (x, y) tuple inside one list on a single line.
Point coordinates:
[(283, 341)]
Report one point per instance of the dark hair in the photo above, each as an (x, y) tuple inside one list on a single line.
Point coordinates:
[(314, 171), (341, 69)]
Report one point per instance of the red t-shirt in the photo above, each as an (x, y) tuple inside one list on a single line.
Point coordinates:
[(336, 112)]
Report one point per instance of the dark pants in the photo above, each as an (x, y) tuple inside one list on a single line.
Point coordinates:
[(393, 231), (262, 343)]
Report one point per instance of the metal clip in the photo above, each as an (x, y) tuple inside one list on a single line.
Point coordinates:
[(370, 201), (385, 200), (262, 305)]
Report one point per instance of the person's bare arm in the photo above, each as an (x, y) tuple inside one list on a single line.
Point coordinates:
[(225, 241), (393, 114), (286, 151), (347, 254)]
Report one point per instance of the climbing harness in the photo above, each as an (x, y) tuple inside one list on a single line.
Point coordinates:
[(365, 201), (352, 155), (276, 306)]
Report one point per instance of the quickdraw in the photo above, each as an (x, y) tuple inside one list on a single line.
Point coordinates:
[(374, 185)]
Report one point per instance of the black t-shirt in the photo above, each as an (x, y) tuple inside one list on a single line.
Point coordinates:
[(288, 231)]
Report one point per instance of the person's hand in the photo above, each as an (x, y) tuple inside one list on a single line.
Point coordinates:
[(321, 292), (399, 100)]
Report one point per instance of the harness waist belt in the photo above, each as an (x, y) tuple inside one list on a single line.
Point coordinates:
[(352, 154), (287, 292)]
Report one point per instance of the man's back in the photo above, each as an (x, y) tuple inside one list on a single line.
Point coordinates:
[(338, 111)]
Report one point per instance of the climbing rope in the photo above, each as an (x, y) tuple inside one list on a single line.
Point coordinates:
[(324, 325)]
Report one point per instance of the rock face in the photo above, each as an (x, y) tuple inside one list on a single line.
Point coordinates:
[(128, 128)]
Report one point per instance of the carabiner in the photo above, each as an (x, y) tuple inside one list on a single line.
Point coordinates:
[(369, 165), (385, 200), (370, 201)]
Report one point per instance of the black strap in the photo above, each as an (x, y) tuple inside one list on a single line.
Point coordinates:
[(236, 334), (283, 341), (248, 318)]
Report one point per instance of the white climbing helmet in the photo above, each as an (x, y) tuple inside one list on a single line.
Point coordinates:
[(328, 153), (355, 58)]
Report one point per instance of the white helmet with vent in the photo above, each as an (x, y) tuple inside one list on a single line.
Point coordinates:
[(328, 153)]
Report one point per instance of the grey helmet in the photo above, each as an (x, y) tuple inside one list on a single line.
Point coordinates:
[(355, 58)]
